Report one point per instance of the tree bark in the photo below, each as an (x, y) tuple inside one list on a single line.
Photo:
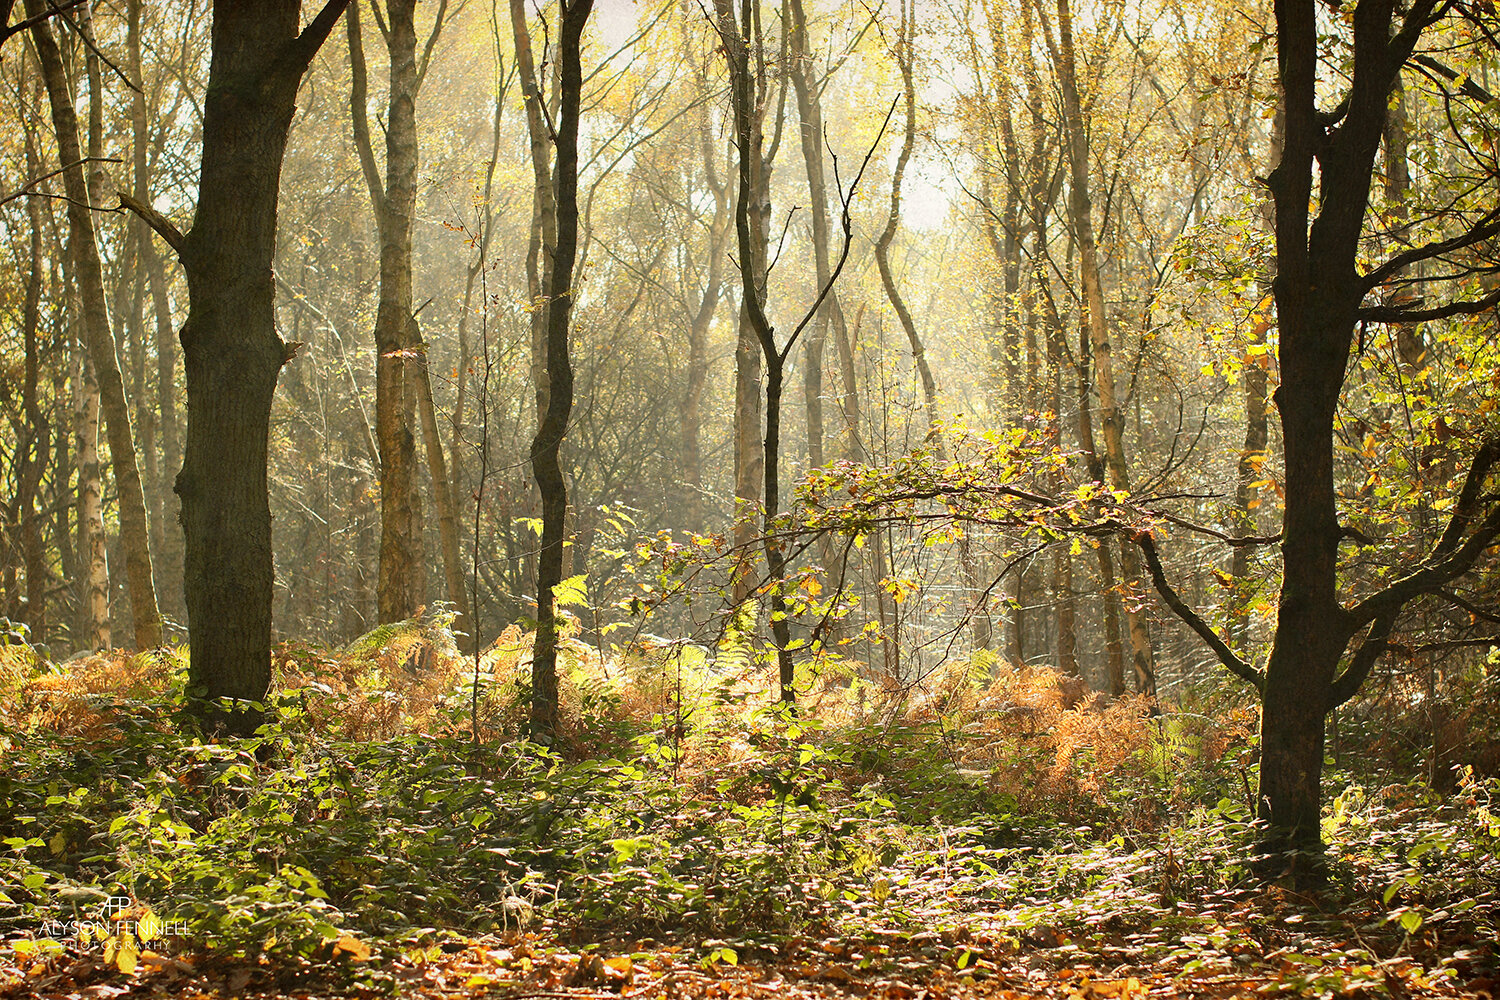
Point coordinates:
[(1080, 208), (98, 336), (546, 447), (401, 585), (231, 351), (92, 621)]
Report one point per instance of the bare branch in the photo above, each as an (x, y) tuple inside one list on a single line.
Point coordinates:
[(1349, 682), (299, 53), (151, 217), (1487, 226), (25, 189), (1401, 314), (1451, 557), (20, 26), (1221, 649)]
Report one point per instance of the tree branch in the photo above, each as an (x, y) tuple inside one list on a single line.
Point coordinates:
[(1203, 529), (360, 116), (1449, 558), (298, 55), (1399, 314), (1468, 606), (25, 189), (1468, 87), (20, 26), (1227, 656), (1482, 230), (1376, 642), (151, 217)]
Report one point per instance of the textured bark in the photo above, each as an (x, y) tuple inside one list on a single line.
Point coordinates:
[(94, 313), (31, 450), (546, 447), (92, 629), (1080, 208), (543, 234), (231, 351), (401, 585)]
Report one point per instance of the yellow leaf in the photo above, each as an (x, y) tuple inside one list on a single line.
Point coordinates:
[(352, 946), (58, 843), (126, 956)]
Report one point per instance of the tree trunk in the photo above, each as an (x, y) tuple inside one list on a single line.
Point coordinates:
[(543, 234), (401, 585), (437, 467), (546, 447), (753, 202), (691, 406), (830, 314), (752, 214), (93, 631), (31, 450), (89, 274), (231, 352), (1080, 208)]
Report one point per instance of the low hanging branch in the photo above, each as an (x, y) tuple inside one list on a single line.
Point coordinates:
[(1221, 649)]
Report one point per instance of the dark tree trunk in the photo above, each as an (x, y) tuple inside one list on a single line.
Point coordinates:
[(546, 447), (231, 351)]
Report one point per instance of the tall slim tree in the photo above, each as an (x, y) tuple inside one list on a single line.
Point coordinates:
[(1112, 418), (88, 272), (402, 389), (546, 447)]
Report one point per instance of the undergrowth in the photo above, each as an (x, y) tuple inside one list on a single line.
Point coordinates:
[(377, 804)]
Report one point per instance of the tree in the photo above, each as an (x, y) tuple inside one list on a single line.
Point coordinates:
[(1080, 208), (402, 387), (747, 99), (232, 353), (89, 276), (1321, 190), (546, 447)]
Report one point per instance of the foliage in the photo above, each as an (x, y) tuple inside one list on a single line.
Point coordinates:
[(986, 818)]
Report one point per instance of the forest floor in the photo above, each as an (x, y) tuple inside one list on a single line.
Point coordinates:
[(1274, 945), (996, 840)]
